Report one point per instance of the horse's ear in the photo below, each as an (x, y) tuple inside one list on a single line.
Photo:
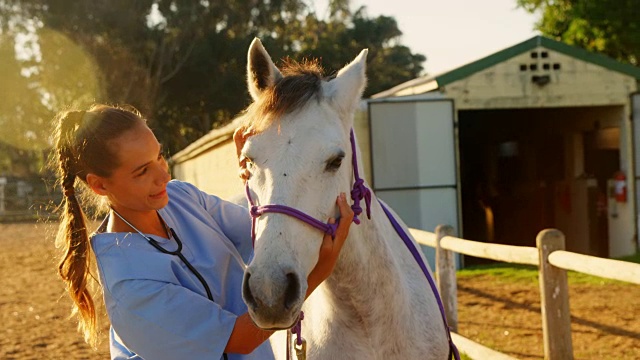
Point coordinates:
[(346, 89), (261, 71)]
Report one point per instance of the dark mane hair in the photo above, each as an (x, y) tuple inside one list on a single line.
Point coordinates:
[(300, 82)]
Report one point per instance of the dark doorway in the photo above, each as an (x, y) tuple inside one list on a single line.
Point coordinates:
[(524, 170)]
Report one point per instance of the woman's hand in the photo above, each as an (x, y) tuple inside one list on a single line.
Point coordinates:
[(331, 247), (240, 137)]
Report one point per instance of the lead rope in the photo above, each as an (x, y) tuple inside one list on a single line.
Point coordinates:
[(300, 345), (358, 192)]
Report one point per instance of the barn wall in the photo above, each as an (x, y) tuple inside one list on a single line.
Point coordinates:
[(624, 226), (506, 86), (214, 171)]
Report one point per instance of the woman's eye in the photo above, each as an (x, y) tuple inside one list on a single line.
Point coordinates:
[(334, 164)]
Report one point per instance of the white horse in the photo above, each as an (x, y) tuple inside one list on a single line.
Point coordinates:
[(377, 304)]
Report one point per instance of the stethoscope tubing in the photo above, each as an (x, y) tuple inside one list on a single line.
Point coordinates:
[(177, 252)]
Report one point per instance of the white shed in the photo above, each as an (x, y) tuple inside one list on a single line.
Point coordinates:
[(527, 138)]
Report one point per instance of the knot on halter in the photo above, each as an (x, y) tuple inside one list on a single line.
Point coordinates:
[(297, 329), (359, 192), (253, 210)]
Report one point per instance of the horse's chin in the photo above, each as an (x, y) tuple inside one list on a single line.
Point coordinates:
[(275, 322)]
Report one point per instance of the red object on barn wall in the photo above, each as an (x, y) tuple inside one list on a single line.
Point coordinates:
[(620, 187)]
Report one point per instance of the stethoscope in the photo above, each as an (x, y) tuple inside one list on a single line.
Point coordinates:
[(177, 252)]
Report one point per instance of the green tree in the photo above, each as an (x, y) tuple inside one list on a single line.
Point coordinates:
[(611, 27), (339, 38), (182, 62)]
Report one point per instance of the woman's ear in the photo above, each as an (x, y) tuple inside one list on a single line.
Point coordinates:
[(97, 184)]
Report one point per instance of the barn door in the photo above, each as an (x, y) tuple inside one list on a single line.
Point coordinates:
[(414, 162)]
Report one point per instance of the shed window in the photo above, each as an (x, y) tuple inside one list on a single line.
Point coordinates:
[(556, 66), (534, 55), (523, 67), (533, 67), (546, 66), (544, 54)]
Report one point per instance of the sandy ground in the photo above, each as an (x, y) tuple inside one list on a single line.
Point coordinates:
[(504, 316)]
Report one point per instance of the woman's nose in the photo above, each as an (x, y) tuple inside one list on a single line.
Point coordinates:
[(162, 174)]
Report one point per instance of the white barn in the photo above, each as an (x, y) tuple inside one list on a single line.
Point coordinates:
[(524, 139)]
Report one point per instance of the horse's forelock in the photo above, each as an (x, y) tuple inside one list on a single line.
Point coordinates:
[(301, 82)]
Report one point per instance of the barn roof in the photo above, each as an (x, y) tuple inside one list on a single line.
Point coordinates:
[(430, 83), (212, 139)]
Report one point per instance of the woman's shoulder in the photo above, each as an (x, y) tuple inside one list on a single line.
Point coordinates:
[(129, 256), (182, 187)]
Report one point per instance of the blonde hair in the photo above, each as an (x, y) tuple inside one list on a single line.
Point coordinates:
[(82, 147)]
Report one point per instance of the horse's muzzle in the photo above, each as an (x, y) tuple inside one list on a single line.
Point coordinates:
[(273, 300)]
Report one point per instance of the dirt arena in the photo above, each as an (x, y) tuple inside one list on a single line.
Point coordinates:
[(502, 315)]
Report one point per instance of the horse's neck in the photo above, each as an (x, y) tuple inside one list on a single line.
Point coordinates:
[(367, 271)]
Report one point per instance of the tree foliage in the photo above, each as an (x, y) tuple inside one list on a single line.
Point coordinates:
[(181, 62), (611, 27)]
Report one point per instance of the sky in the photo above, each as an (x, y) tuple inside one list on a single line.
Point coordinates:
[(452, 33)]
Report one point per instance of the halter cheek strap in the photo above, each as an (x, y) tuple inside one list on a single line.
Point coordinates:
[(360, 190)]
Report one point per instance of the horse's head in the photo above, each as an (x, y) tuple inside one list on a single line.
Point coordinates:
[(300, 157)]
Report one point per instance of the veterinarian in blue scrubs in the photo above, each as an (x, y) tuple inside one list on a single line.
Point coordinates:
[(170, 257)]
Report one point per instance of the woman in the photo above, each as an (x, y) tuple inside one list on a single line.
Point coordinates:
[(170, 258)]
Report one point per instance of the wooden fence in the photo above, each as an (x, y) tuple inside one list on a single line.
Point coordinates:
[(552, 261)]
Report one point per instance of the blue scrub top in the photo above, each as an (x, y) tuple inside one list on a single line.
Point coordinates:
[(158, 308)]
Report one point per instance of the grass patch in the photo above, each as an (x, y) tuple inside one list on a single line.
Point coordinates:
[(631, 258), (505, 272), (502, 272)]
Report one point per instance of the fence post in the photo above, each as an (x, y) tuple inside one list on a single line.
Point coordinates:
[(3, 182), (446, 277), (554, 297)]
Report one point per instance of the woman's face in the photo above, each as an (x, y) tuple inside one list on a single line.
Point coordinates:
[(139, 183)]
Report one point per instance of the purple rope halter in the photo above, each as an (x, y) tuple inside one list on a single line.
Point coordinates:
[(359, 192)]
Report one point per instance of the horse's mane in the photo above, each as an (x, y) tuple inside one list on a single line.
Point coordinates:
[(300, 82)]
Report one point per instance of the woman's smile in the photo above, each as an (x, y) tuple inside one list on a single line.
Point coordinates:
[(159, 195)]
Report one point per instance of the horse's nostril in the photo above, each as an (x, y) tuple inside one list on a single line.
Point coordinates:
[(292, 292), (246, 292)]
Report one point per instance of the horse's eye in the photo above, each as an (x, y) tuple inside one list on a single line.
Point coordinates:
[(334, 163)]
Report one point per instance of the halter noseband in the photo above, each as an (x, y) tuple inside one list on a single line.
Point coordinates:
[(358, 192)]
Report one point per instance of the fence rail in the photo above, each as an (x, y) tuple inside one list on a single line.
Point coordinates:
[(606, 268), (552, 261), (499, 252)]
